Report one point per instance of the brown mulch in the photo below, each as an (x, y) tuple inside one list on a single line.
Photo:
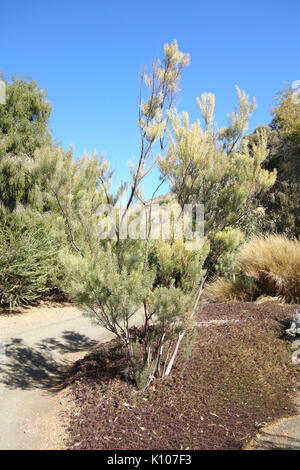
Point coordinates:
[(239, 376)]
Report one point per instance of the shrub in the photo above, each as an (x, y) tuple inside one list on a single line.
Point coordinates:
[(29, 264)]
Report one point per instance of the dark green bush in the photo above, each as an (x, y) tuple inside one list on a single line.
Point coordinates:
[(29, 262)]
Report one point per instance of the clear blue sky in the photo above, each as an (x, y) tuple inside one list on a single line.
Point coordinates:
[(88, 55)]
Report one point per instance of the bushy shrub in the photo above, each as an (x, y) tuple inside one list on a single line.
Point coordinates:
[(29, 262), (269, 266)]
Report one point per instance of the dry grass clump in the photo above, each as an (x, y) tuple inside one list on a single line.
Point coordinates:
[(272, 267), (274, 263), (227, 290)]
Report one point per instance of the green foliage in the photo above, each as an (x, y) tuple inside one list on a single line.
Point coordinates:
[(176, 265), (23, 118), (112, 294), (28, 242), (142, 373), (225, 178), (53, 188), (73, 191), (15, 180), (170, 306), (287, 115), (23, 129), (237, 122), (282, 201), (28, 257), (226, 243), (116, 279)]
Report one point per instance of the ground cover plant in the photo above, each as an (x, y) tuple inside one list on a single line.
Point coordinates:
[(239, 375)]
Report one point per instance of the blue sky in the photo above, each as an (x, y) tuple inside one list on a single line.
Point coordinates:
[(88, 55)]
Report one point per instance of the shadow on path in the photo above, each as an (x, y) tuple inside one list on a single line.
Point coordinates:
[(28, 367)]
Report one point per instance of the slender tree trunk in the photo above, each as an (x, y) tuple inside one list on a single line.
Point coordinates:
[(181, 334), (170, 365)]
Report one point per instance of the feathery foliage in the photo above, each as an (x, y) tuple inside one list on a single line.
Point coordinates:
[(29, 259), (207, 166), (282, 202), (23, 118)]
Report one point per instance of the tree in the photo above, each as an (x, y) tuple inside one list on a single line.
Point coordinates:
[(23, 129), (24, 118), (161, 279), (211, 167), (29, 241), (114, 279), (283, 142)]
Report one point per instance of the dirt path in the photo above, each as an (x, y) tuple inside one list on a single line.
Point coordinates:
[(36, 347)]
